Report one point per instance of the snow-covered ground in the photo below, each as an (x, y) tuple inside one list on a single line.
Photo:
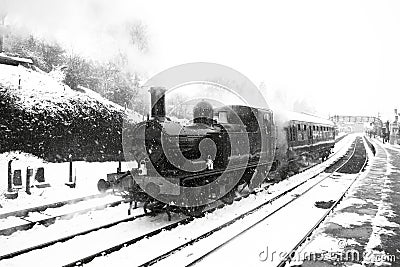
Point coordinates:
[(365, 223), (340, 134), (56, 174), (164, 241), (125, 231)]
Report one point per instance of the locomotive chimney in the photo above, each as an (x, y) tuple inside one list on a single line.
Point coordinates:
[(157, 102)]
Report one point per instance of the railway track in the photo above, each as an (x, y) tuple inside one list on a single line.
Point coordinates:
[(48, 214), (25, 211), (144, 235), (184, 221), (68, 237), (354, 165), (193, 260), (193, 257)]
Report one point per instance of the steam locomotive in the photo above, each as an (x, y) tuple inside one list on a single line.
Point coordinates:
[(221, 150)]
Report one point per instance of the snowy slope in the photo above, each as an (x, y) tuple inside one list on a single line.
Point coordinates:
[(44, 117), (39, 90)]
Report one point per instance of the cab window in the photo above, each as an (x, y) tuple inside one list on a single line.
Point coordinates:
[(268, 122), (223, 117)]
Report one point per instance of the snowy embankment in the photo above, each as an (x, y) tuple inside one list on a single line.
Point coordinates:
[(43, 121), (44, 117)]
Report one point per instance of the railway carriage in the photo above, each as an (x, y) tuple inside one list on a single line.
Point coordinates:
[(303, 139)]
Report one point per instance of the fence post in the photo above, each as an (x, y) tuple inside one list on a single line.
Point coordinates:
[(9, 187), (29, 173), (10, 194), (71, 182), (119, 161), (70, 168)]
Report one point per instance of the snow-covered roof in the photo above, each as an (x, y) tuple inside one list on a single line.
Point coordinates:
[(5, 59), (308, 118), (284, 116)]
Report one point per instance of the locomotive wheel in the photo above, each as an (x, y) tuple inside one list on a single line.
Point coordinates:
[(193, 211), (229, 197), (152, 189), (103, 185), (155, 207)]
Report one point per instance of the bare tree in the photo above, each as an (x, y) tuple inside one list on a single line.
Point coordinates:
[(138, 35), (2, 28)]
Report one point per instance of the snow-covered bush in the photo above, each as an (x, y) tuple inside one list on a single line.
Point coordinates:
[(46, 118)]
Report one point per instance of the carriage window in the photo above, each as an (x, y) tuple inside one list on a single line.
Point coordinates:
[(293, 133), (223, 117), (298, 127), (267, 118)]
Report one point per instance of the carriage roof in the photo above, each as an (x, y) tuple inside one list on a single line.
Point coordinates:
[(303, 117)]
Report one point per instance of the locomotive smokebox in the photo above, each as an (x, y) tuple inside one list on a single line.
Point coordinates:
[(157, 102)]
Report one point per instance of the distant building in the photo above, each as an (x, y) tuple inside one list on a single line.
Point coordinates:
[(6, 59), (357, 124), (394, 133)]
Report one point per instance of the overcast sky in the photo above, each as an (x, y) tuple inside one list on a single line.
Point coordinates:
[(340, 57)]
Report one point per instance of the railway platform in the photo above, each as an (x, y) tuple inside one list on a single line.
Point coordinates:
[(364, 229)]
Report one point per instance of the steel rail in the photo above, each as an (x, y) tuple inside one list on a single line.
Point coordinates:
[(247, 228), (52, 219), (117, 247), (315, 226)]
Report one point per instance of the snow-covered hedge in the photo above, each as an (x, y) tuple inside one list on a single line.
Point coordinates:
[(46, 118)]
